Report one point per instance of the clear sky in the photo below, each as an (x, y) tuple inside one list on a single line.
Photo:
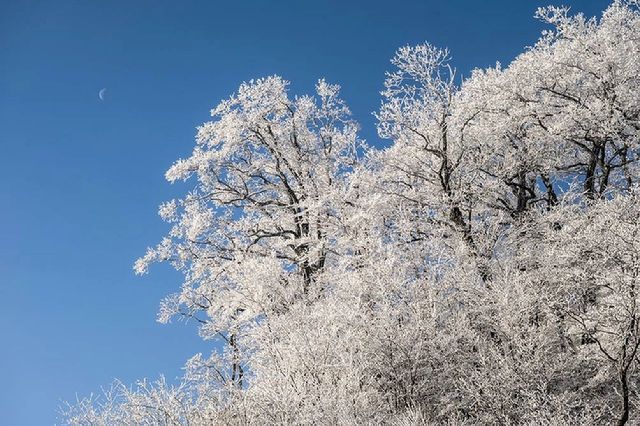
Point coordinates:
[(81, 178)]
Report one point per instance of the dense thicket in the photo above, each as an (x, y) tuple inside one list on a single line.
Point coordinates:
[(483, 269)]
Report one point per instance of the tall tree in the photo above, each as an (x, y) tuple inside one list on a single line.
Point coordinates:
[(257, 228)]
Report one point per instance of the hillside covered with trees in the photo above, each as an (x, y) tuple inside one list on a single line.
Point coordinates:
[(484, 268)]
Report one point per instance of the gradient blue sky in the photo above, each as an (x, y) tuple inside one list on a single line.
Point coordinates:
[(81, 179)]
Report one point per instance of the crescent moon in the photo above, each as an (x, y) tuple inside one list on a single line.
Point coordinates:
[(101, 93)]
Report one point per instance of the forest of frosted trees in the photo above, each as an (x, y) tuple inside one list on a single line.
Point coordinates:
[(482, 269)]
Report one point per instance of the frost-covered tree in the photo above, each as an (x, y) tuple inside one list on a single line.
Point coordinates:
[(258, 227)]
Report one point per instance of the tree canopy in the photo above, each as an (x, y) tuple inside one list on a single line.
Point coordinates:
[(482, 269)]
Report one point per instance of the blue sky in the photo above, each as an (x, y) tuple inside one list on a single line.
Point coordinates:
[(81, 179)]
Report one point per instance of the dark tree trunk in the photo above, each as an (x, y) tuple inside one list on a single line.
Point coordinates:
[(624, 387)]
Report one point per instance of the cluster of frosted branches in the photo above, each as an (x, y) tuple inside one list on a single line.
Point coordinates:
[(483, 269)]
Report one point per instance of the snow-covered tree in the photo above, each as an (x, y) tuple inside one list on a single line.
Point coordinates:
[(257, 229)]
